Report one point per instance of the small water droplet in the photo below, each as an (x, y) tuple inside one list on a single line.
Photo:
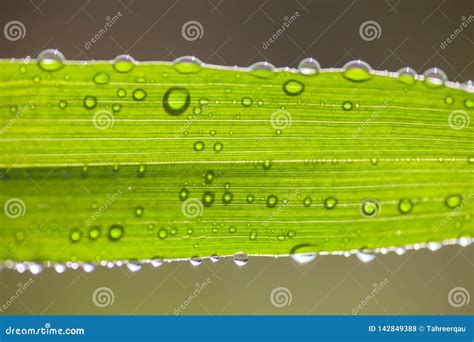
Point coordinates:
[(62, 104), (214, 258), (405, 205), (208, 198), (124, 63), (218, 147), (272, 201), (293, 87), (35, 268), (116, 107), (232, 229), (163, 234), (51, 60), (434, 77), (133, 266), (195, 261), (464, 241), (246, 101), (434, 246), (453, 201), (188, 64), (198, 146), (241, 259), (139, 211), (121, 93), (209, 176), (250, 198), (227, 197), (448, 100), (330, 202), (267, 164), (309, 66), (400, 250), (90, 102), (155, 262), (88, 267), (141, 170), (303, 258), (407, 75), (75, 235), (370, 208), (469, 104), (347, 105), (365, 255), (357, 71), (262, 70), (101, 78), (291, 233), (116, 232), (307, 201), (253, 235), (183, 194), (59, 268), (94, 233), (176, 100), (139, 94)]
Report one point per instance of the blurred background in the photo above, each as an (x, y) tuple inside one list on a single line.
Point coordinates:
[(388, 34)]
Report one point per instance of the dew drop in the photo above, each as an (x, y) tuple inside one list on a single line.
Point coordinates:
[(141, 170), (434, 77), (448, 100), (241, 258), (116, 107), (139, 94), (59, 268), (370, 208), (330, 202), (90, 102), (293, 87), (51, 60), (267, 164), (208, 198), (62, 104), (88, 268), (133, 266), (365, 255), (101, 78), (303, 258), (116, 232), (272, 201), (124, 63), (434, 246), (407, 75), (227, 197), (250, 198), (232, 229), (187, 64), (347, 105), (75, 235), (453, 201), (246, 101), (198, 146), (209, 176), (176, 100), (195, 261), (155, 262), (218, 147), (357, 71), (139, 211), (253, 235), (291, 233), (262, 70), (121, 92), (464, 241), (309, 66), (94, 233), (405, 205), (469, 104), (307, 201), (35, 268), (214, 258), (163, 234)]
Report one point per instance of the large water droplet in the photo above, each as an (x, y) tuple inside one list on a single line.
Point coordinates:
[(370, 208), (293, 87), (187, 64), (176, 100), (309, 66), (357, 71), (124, 63), (434, 77), (262, 70), (241, 258), (51, 60)]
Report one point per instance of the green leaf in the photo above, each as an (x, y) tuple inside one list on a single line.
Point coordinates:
[(163, 161)]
